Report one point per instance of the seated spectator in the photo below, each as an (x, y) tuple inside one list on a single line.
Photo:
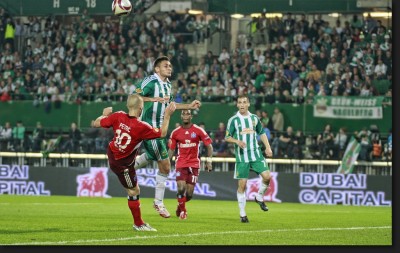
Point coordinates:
[(220, 145), (37, 137), (298, 145), (71, 145), (325, 141), (363, 137), (223, 55), (286, 143), (278, 120), (5, 136), (18, 137), (340, 142), (88, 140), (266, 120), (387, 154), (102, 139)]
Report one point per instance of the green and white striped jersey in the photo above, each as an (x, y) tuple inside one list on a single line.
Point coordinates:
[(152, 86), (246, 129)]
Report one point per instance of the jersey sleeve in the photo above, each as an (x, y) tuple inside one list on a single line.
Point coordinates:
[(147, 88), (108, 121), (147, 132), (172, 141), (204, 137), (259, 128), (171, 98), (230, 129)]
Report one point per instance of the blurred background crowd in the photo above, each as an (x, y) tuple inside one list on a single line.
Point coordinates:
[(288, 59)]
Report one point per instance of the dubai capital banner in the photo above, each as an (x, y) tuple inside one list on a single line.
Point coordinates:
[(342, 107)]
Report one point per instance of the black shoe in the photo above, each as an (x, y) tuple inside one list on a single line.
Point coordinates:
[(244, 219), (262, 204)]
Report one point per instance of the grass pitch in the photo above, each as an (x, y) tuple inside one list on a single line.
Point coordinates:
[(62, 220)]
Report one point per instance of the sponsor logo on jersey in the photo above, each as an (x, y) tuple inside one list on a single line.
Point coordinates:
[(247, 131), (187, 144)]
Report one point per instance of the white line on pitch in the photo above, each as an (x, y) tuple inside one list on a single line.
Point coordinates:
[(194, 234)]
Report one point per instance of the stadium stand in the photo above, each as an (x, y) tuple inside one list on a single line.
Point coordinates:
[(282, 60)]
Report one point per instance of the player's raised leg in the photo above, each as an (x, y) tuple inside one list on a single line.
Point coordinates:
[(141, 161)]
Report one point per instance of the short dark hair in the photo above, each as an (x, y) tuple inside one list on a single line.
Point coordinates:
[(243, 96), (159, 60)]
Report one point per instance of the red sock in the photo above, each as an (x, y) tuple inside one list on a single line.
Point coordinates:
[(181, 203), (134, 206)]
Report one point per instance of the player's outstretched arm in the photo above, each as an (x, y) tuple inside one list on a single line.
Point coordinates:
[(195, 104), (106, 112), (154, 99), (167, 116)]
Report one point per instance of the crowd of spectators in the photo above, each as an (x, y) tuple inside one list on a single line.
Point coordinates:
[(90, 60), (284, 61), (299, 61)]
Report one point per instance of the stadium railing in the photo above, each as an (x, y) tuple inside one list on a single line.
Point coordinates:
[(219, 163)]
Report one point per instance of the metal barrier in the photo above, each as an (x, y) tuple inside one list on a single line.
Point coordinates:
[(219, 163)]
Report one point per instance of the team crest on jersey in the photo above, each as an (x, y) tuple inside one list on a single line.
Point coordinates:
[(138, 90), (193, 135), (254, 123)]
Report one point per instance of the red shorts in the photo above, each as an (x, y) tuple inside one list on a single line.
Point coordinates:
[(189, 175), (123, 168)]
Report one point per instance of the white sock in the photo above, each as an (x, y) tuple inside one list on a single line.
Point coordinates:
[(261, 191), (242, 203), (160, 187), (141, 161)]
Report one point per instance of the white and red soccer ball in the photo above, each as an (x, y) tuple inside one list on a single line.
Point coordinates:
[(121, 7)]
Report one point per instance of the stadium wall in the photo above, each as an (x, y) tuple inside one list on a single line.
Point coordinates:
[(300, 117), (307, 188), (62, 7)]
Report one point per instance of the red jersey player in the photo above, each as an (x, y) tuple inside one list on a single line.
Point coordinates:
[(187, 163), (129, 132)]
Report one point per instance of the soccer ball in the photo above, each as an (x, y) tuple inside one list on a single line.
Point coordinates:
[(121, 7)]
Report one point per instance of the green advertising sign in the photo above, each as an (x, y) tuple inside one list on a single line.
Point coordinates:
[(348, 107)]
